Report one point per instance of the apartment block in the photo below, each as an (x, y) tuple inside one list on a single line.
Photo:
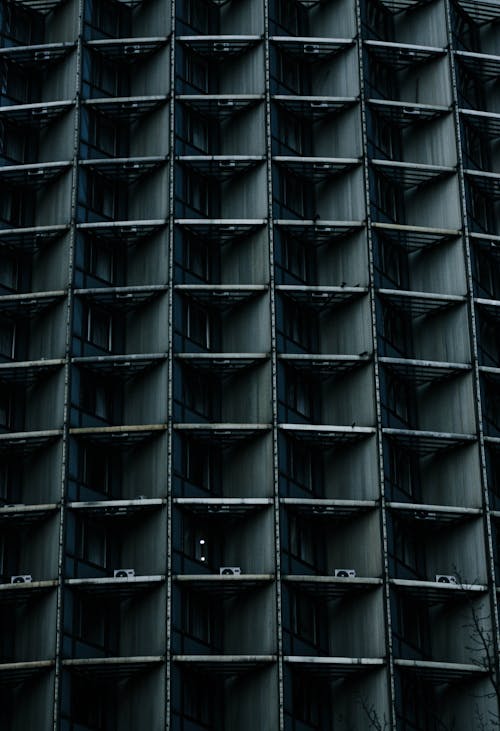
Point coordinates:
[(249, 365)]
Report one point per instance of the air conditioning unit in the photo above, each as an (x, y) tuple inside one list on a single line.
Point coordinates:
[(229, 571), (446, 579), (345, 573), (21, 579), (311, 48), (222, 47), (123, 573)]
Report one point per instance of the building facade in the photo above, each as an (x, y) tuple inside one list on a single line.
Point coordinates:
[(249, 365)]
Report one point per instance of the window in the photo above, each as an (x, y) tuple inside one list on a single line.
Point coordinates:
[(96, 397), (16, 207), (487, 273), (419, 706), (305, 618), (408, 552), (92, 544), (197, 618), (293, 133), (99, 328), (299, 259), (105, 136), (198, 325), (110, 18), (306, 701), (22, 26), (300, 326), (9, 272), (303, 540), (201, 394), (292, 17), (378, 20), (493, 473), (199, 700), (6, 410), (90, 623), (5, 481), (17, 85), (491, 404), (17, 145), (197, 194), (107, 78), (196, 255), (197, 131), (198, 15), (399, 404), (304, 466), (297, 196), (413, 621), (393, 263), (7, 339), (104, 196), (389, 199), (97, 469), (293, 75), (198, 545), (88, 704), (200, 465), (403, 473), (397, 331), (476, 148), (482, 211), (489, 342), (100, 261), (196, 72), (301, 395)]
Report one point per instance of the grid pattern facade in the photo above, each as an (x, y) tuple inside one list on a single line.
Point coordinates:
[(249, 320)]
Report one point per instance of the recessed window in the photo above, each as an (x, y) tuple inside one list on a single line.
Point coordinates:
[(100, 261), (7, 339), (99, 328), (198, 325)]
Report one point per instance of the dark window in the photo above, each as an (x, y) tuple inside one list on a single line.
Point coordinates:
[(201, 394), (99, 328), (96, 397), (7, 339), (200, 465), (393, 262), (197, 618), (297, 196), (92, 543), (403, 473), (198, 325), (397, 331), (305, 618), (196, 72), (302, 540), (298, 259), (300, 325), (100, 261), (304, 466)]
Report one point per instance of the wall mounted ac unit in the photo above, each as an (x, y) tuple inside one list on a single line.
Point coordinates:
[(229, 571), (123, 573), (311, 48), (345, 573), (21, 579), (446, 579)]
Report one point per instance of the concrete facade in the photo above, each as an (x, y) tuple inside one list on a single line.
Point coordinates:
[(249, 365)]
